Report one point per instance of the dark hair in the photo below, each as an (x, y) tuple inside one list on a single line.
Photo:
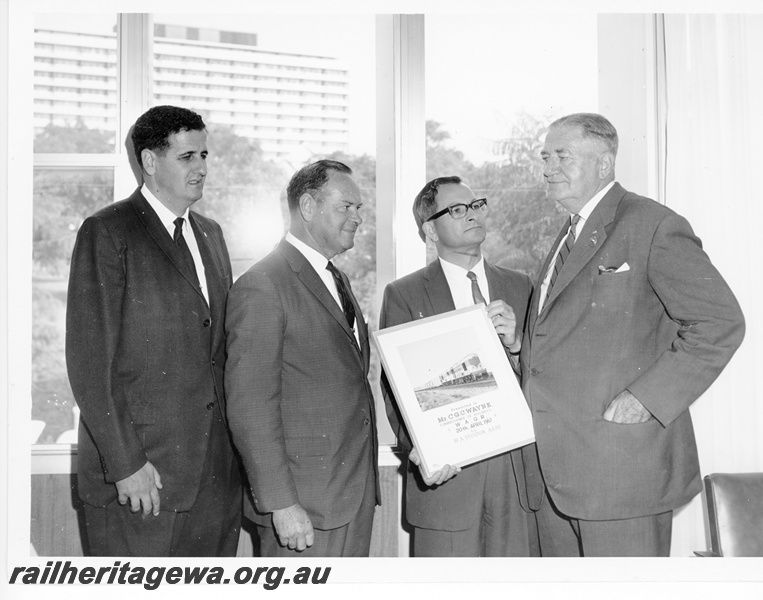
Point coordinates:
[(425, 204), (154, 127), (310, 179), (593, 126)]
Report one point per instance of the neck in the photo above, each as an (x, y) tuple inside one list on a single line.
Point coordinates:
[(176, 207), (303, 234), (465, 258)]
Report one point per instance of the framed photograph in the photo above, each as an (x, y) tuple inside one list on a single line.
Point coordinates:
[(456, 390)]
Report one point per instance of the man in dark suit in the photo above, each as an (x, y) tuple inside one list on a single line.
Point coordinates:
[(145, 353), (300, 405), (474, 511), (629, 325)]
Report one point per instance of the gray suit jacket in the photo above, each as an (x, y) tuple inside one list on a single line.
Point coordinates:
[(663, 329), (299, 402), (455, 505)]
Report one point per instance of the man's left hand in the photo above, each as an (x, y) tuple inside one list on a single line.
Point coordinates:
[(626, 408), (505, 323)]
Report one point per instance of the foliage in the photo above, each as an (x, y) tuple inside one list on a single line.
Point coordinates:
[(521, 223), (245, 194)]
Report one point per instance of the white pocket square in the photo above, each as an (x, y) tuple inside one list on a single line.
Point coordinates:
[(623, 268)]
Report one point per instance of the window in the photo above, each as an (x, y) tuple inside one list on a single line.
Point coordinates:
[(73, 138), (486, 113)]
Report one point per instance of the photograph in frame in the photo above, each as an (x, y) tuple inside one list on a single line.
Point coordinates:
[(455, 388)]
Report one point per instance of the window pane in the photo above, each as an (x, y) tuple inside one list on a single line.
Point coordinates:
[(276, 96), (62, 200), (488, 109), (75, 83)]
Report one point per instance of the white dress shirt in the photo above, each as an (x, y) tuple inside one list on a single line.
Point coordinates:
[(318, 262), (461, 286), (584, 214), (167, 217)]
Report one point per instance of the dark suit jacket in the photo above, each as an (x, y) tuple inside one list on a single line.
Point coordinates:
[(663, 329), (455, 505), (299, 403), (145, 352)]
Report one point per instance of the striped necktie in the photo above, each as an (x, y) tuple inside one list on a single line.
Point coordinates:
[(564, 251)]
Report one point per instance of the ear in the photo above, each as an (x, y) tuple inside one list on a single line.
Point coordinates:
[(606, 165), (307, 205), (429, 230), (148, 159)]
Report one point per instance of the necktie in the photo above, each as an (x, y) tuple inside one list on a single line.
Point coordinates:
[(476, 293), (344, 294), (564, 251), (184, 249)]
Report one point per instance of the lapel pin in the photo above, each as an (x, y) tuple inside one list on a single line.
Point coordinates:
[(592, 241)]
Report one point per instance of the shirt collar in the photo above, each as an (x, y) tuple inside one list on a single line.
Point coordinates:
[(315, 258), (586, 211), (166, 216), (453, 270)]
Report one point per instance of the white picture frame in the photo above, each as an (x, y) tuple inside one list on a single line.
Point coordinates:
[(455, 388)]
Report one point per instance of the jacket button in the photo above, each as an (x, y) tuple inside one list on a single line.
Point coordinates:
[(366, 421), (210, 406), (207, 322)]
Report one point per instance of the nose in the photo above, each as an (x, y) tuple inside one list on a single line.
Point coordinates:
[(201, 166), (355, 215), (550, 166)]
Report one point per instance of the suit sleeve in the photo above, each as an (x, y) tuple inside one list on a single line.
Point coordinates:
[(255, 323), (394, 311), (711, 324), (93, 321)]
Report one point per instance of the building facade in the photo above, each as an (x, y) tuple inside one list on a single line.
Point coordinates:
[(290, 103)]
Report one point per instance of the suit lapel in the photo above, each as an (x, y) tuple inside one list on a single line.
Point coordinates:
[(437, 288), (589, 239), (314, 283), (159, 233), (212, 268), (495, 284)]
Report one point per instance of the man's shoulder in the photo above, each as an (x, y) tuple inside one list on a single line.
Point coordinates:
[(413, 278), (274, 265), (412, 281), (114, 212), (641, 212), (205, 222), (506, 273)]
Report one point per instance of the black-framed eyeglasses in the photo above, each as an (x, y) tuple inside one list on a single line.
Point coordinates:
[(458, 211)]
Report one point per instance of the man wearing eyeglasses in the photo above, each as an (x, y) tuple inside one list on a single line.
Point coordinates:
[(474, 511)]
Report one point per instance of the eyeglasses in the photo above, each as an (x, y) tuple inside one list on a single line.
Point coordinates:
[(458, 211)]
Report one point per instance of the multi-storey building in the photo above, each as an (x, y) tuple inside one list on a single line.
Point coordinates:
[(286, 101)]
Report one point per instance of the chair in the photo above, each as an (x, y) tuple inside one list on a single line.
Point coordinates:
[(734, 514)]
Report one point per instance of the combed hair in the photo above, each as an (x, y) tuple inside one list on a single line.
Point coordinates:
[(310, 179), (154, 127), (425, 204), (593, 126)]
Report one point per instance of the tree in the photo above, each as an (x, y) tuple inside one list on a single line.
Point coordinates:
[(360, 262), (243, 193), (62, 199)]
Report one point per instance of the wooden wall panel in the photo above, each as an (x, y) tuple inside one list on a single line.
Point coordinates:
[(56, 528)]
